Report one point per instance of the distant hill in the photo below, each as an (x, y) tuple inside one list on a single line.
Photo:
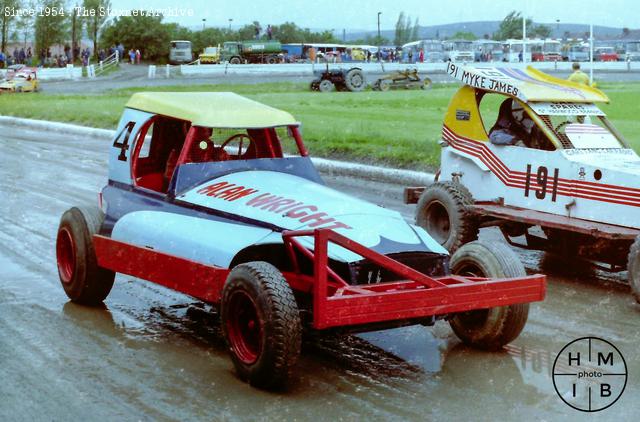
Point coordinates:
[(487, 28)]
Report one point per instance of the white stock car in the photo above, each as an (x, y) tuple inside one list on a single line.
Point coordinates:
[(572, 173)]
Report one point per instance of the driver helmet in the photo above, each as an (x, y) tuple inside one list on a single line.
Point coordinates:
[(520, 115), (517, 111)]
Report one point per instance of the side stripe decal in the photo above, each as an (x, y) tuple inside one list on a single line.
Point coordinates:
[(516, 179)]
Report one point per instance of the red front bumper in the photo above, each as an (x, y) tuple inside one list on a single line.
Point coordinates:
[(336, 303)]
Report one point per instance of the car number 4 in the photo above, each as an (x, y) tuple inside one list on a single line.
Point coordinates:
[(124, 145)]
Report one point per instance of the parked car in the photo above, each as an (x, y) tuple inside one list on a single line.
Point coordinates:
[(210, 55), (577, 53), (24, 80), (605, 54)]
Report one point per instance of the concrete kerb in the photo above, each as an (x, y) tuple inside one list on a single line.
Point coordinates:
[(44, 125), (342, 168)]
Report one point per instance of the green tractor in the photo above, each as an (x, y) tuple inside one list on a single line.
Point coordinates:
[(339, 79), (407, 79)]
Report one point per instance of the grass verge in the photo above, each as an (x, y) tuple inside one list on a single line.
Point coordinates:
[(398, 128)]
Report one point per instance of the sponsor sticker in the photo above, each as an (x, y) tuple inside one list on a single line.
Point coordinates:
[(566, 109), (305, 213), (463, 115)]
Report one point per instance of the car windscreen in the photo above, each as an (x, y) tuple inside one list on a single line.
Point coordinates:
[(579, 126), (181, 45), (579, 49), (633, 47), (551, 48), (462, 46), (433, 47)]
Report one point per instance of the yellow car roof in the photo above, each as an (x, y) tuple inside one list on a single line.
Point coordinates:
[(528, 85), (211, 109)]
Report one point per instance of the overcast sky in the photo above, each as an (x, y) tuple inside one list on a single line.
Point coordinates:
[(362, 14)]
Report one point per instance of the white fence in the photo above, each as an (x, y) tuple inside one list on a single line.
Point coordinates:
[(110, 62), (307, 68), (69, 72)]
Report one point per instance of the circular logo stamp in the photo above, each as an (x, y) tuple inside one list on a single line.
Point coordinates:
[(589, 374)]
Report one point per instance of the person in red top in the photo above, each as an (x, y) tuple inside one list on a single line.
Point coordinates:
[(421, 56)]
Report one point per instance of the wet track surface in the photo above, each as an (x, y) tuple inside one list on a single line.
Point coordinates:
[(152, 354)]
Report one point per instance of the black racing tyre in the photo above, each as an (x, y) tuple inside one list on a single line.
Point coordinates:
[(261, 324), (354, 80), (426, 84), (82, 279), (235, 60), (385, 85), (441, 211), (633, 266), (326, 85), (488, 329)]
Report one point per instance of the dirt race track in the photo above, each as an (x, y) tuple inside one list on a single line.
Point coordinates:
[(136, 76), (149, 354)]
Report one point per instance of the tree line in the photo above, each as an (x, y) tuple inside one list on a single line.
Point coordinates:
[(143, 31), (151, 35)]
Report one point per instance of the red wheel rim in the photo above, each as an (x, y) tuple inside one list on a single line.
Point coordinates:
[(244, 327), (66, 255)]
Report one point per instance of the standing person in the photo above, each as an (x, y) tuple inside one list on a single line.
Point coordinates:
[(578, 76), (269, 32), (2, 60), (138, 56), (410, 56), (132, 56), (120, 51), (257, 30), (368, 56), (421, 56)]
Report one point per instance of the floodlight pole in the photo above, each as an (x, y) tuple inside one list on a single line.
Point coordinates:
[(524, 37), (591, 54), (378, 53)]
